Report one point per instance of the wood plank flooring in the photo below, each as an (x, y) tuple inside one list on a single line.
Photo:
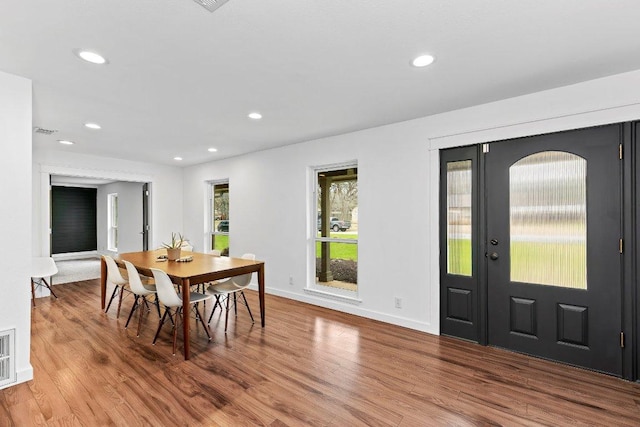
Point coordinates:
[(309, 366)]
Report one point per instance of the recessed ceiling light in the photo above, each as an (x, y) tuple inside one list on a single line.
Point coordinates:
[(89, 56), (212, 150), (93, 126), (65, 142), (422, 61), (255, 116), (177, 158)]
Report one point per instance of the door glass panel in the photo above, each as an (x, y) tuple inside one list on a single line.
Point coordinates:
[(459, 217), (548, 220)]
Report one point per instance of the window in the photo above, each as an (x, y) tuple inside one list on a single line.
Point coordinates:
[(548, 219), (112, 222), (219, 219), (335, 227), (459, 196)]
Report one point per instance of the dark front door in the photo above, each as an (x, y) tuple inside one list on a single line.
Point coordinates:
[(553, 246)]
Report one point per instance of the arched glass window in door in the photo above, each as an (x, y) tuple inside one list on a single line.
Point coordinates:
[(548, 219)]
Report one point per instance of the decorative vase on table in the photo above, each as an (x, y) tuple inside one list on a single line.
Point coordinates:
[(174, 248), (173, 253)]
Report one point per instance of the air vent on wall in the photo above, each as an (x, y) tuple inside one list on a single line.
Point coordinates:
[(44, 131), (211, 5), (7, 357)]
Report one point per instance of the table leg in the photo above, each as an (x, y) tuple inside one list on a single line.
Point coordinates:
[(186, 293), (261, 292), (103, 282)]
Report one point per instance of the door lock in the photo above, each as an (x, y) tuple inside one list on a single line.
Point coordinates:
[(494, 242)]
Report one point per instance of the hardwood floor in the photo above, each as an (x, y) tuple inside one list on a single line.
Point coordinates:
[(309, 366)]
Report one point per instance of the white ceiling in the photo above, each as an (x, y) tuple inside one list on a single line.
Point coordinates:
[(181, 79)]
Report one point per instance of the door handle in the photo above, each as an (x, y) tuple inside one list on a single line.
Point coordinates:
[(494, 256)]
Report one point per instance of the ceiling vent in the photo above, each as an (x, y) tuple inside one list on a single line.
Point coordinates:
[(211, 5), (44, 131)]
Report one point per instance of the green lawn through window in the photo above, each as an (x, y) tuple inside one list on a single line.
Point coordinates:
[(544, 263), (342, 250)]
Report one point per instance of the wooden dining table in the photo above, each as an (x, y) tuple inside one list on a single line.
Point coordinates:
[(203, 268)]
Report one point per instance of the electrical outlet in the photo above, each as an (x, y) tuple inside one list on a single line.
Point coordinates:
[(291, 280), (398, 302)]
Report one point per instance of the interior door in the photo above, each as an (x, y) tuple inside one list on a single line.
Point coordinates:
[(553, 246)]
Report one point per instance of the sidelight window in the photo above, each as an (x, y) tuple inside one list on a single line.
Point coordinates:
[(459, 193)]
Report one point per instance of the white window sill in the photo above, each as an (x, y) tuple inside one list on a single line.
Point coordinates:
[(333, 296)]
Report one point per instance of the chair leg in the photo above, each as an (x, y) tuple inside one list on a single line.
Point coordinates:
[(157, 303), (140, 318), (226, 317), (214, 307), (50, 288), (33, 294), (133, 308), (112, 297), (44, 281), (166, 310), (120, 301), (204, 325), (175, 329), (235, 304), (247, 304)]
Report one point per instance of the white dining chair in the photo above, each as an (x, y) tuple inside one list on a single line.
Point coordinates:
[(231, 287), (41, 268), (173, 301), (115, 278), (201, 286), (141, 292)]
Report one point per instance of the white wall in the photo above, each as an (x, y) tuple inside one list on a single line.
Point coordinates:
[(397, 180), (129, 216), (15, 212), (165, 200)]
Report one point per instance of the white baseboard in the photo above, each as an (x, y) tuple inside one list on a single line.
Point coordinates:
[(349, 307), (21, 377), (76, 255)]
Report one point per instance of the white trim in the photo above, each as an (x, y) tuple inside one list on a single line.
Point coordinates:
[(112, 216), (94, 173), (23, 375), (433, 249), (576, 120), (311, 286), (333, 295), (76, 255)]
